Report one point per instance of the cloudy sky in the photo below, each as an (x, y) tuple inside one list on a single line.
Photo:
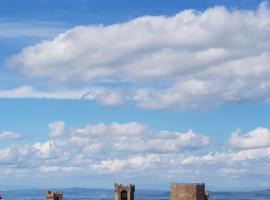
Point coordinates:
[(145, 92)]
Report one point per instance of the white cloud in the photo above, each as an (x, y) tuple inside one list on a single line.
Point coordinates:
[(102, 96), (134, 137), (42, 149), (131, 150), (110, 98), (30, 92), (9, 135), (57, 169), (259, 137), (103, 148), (15, 154), (229, 157), (56, 128), (189, 61), (232, 172), (108, 166), (138, 163), (144, 162)]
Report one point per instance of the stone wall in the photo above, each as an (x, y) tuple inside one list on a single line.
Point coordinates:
[(188, 192)]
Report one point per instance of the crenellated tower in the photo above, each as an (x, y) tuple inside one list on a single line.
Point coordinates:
[(124, 192)]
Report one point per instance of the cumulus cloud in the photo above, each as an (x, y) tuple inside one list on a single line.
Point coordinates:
[(42, 149), (129, 150), (106, 97), (56, 129), (9, 135), (230, 157), (259, 137), (101, 148), (231, 172), (102, 96), (134, 137), (57, 169), (183, 62), (147, 47), (29, 92), (138, 163)]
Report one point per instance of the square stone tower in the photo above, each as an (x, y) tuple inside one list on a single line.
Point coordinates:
[(124, 192), (54, 195), (196, 191)]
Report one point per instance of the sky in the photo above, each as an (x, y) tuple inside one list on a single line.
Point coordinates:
[(96, 92)]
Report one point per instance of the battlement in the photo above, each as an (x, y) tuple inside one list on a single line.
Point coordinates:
[(189, 191), (54, 195), (179, 191), (129, 187), (124, 192), (187, 184)]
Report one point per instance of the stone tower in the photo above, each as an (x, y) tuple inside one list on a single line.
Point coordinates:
[(196, 191), (124, 192), (54, 195)]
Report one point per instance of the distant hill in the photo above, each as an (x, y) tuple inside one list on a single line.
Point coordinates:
[(255, 195), (13, 187), (108, 194), (79, 193)]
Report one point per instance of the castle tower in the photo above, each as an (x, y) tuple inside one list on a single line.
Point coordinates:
[(124, 192), (54, 195), (194, 191)]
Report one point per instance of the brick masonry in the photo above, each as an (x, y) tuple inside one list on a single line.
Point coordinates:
[(188, 192)]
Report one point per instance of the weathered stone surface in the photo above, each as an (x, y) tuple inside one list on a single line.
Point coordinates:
[(188, 192), (54, 195), (124, 192)]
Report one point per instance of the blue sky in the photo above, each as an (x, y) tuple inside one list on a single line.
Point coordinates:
[(125, 91)]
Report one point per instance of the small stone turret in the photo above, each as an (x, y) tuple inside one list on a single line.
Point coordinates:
[(54, 195), (124, 192)]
